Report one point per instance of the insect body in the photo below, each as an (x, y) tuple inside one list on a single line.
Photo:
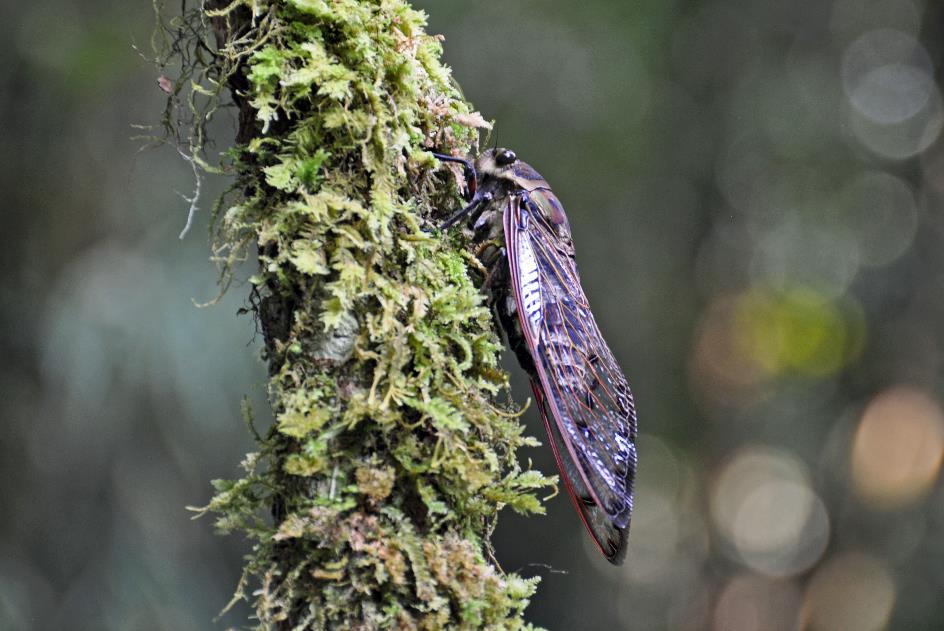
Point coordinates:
[(580, 390)]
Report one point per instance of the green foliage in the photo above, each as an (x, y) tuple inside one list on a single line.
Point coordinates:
[(390, 458)]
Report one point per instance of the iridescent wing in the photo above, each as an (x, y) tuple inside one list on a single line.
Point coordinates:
[(578, 381)]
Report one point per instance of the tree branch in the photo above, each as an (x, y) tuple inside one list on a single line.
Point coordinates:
[(370, 500)]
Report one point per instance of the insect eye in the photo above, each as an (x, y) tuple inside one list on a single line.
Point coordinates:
[(505, 158)]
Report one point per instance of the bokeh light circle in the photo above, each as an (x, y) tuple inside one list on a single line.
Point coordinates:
[(881, 212), (898, 448), (887, 76), (722, 371), (655, 541), (764, 506), (750, 602), (851, 592), (798, 330), (802, 252), (669, 539), (902, 140), (888, 79)]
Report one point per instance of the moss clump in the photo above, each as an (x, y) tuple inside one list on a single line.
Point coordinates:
[(370, 501)]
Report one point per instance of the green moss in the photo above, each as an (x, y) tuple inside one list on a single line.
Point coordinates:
[(390, 458)]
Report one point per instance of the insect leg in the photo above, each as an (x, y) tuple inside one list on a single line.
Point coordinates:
[(462, 212), (523, 199), (468, 170), (493, 272), (491, 243), (475, 261), (467, 164)]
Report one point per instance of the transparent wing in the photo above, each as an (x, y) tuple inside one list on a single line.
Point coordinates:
[(584, 389), (609, 539)]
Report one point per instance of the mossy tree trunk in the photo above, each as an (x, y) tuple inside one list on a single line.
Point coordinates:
[(371, 499)]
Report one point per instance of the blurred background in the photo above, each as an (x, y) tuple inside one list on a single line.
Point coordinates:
[(756, 191)]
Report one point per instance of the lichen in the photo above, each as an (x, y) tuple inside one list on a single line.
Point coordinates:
[(370, 500)]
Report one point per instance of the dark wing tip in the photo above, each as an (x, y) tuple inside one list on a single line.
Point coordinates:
[(615, 551)]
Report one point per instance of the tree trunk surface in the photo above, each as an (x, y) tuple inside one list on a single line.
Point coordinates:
[(370, 501)]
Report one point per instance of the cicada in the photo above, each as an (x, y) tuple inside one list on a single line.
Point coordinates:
[(525, 245)]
